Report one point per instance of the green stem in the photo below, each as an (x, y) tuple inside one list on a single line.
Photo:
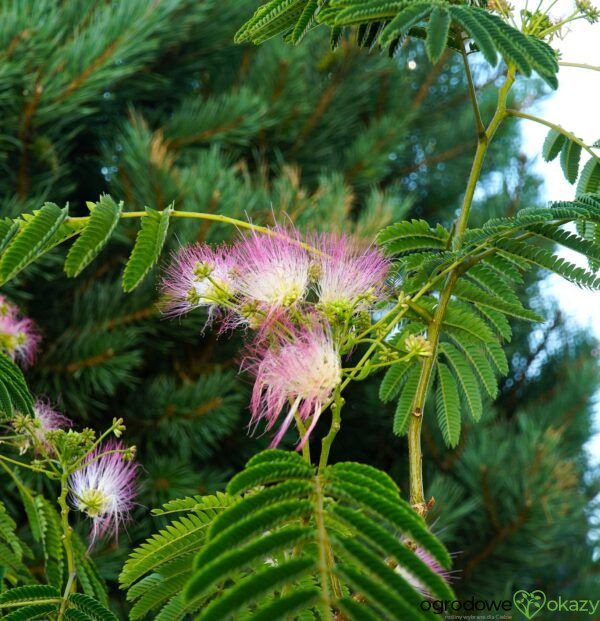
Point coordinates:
[(482, 146), (336, 410), (579, 66), (37, 602), (472, 93), (82, 465), (213, 217), (415, 453), (15, 462), (67, 543), (417, 495), (555, 27), (558, 128), (323, 546), (302, 432), (81, 462)]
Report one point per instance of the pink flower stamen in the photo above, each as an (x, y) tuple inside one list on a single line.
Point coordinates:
[(104, 489), (199, 276), (272, 271), (19, 337), (349, 277), (302, 370)]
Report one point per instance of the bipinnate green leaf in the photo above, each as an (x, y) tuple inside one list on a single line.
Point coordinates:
[(229, 562), (304, 21), (212, 504), (261, 555)]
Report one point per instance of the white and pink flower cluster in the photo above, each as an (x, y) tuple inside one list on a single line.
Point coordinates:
[(102, 484), (300, 297), (19, 337)]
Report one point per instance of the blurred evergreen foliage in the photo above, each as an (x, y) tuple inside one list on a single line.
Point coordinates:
[(152, 102)]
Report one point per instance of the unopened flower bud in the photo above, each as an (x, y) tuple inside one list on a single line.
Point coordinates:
[(118, 427), (403, 299), (418, 345), (588, 10)]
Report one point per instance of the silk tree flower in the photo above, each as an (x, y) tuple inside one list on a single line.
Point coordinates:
[(414, 581), (349, 277), (199, 276), (272, 272), (104, 489), (299, 373), (7, 308), (48, 419), (19, 337), (34, 430)]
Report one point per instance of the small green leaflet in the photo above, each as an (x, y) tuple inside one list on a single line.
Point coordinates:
[(553, 144), (437, 33), (148, 245), (447, 405), (405, 402), (569, 160), (31, 240), (103, 219)]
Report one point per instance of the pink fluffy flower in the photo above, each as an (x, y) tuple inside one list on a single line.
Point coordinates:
[(48, 419), (7, 308), (104, 489), (414, 581), (300, 374), (199, 276), (349, 277), (19, 337), (272, 271)]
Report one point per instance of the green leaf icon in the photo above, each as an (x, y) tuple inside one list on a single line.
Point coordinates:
[(529, 603)]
